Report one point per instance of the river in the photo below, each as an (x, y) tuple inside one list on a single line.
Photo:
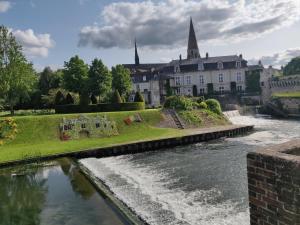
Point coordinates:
[(199, 184)]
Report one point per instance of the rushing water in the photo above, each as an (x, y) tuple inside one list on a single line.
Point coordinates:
[(55, 193), (199, 184)]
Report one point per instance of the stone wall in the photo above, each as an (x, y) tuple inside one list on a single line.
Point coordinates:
[(290, 105), (274, 185)]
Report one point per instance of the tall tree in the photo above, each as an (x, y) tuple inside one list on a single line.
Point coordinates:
[(49, 80), (121, 79), (17, 76), (75, 75), (293, 67), (100, 79)]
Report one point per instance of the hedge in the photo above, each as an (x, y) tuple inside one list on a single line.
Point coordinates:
[(128, 106)]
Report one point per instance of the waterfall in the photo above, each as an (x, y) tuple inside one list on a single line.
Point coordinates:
[(232, 113)]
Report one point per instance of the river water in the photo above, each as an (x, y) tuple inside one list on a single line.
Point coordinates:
[(199, 184)]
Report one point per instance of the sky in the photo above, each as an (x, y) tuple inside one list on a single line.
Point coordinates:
[(52, 31)]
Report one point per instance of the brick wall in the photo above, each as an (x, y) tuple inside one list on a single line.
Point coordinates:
[(274, 185)]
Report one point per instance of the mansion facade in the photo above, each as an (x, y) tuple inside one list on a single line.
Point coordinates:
[(193, 76)]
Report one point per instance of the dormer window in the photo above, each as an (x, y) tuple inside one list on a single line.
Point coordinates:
[(144, 78), (238, 64), (177, 69), (220, 65), (200, 66)]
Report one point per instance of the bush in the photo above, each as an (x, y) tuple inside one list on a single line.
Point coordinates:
[(138, 97), (116, 98), (59, 98), (214, 106), (94, 99), (202, 105), (128, 106), (179, 102), (69, 99), (84, 99)]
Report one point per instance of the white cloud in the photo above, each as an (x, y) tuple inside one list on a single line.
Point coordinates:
[(165, 23), (34, 44), (278, 59), (4, 6)]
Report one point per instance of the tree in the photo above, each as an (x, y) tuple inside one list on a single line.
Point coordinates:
[(100, 79), (93, 99), (293, 67), (49, 80), (69, 99), (17, 76), (75, 75), (59, 98), (121, 79), (138, 97), (116, 98)]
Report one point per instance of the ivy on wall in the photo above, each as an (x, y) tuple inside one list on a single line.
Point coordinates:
[(253, 81)]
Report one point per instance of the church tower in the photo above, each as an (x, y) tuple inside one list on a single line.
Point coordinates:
[(193, 50), (137, 58)]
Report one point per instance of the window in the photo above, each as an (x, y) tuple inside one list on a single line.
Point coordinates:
[(177, 81), (144, 78), (239, 88), (97, 125), (177, 69), (238, 77), (188, 80), (201, 79), (221, 78), (220, 65), (238, 64), (178, 91), (202, 90), (138, 87), (200, 66), (145, 90), (83, 126), (221, 89), (262, 84)]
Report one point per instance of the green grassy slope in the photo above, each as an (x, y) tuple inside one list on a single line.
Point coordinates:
[(39, 135), (295, 94)]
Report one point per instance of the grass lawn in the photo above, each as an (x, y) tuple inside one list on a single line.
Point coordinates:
[(295, 94), (39, 135)]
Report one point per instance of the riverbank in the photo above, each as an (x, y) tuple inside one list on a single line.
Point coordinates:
[(38, 136)]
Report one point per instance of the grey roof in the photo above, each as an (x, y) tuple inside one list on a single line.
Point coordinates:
[(228, 58)]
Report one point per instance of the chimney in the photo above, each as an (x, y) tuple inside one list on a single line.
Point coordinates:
[(259, 63), (180, 58), (207, 55), (241, 56)]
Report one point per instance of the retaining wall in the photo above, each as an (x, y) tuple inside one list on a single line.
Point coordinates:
[(274, 185)]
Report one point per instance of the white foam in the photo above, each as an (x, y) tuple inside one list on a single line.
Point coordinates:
[(149, 192)]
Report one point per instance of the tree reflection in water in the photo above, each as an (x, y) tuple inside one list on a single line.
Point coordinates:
[(22, 196)]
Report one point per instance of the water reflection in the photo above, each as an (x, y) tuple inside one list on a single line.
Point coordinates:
[(52, 193)]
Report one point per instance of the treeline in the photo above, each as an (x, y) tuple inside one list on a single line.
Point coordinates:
[(21, 87)]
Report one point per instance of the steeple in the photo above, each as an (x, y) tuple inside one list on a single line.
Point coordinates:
[(137, 59), (193, 50)]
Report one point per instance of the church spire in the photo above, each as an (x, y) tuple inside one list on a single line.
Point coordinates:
[(193, 50), (137, 59)]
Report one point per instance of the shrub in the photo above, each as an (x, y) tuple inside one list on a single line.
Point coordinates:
[(116, 98), (8, 129), (202, 105), (179, 102), (59, 98), (84, 99), (69, 99), (93, 99), (214, 106), (138, 97)]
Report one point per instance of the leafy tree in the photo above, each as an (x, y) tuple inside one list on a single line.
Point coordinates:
[(17, 76), (75, 75), (293, 67), (93, 99), (138, 97), (253, 81), (59, 98), (121, 79), (49, 80), (69, 99), (116, 98), (100, 79)]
